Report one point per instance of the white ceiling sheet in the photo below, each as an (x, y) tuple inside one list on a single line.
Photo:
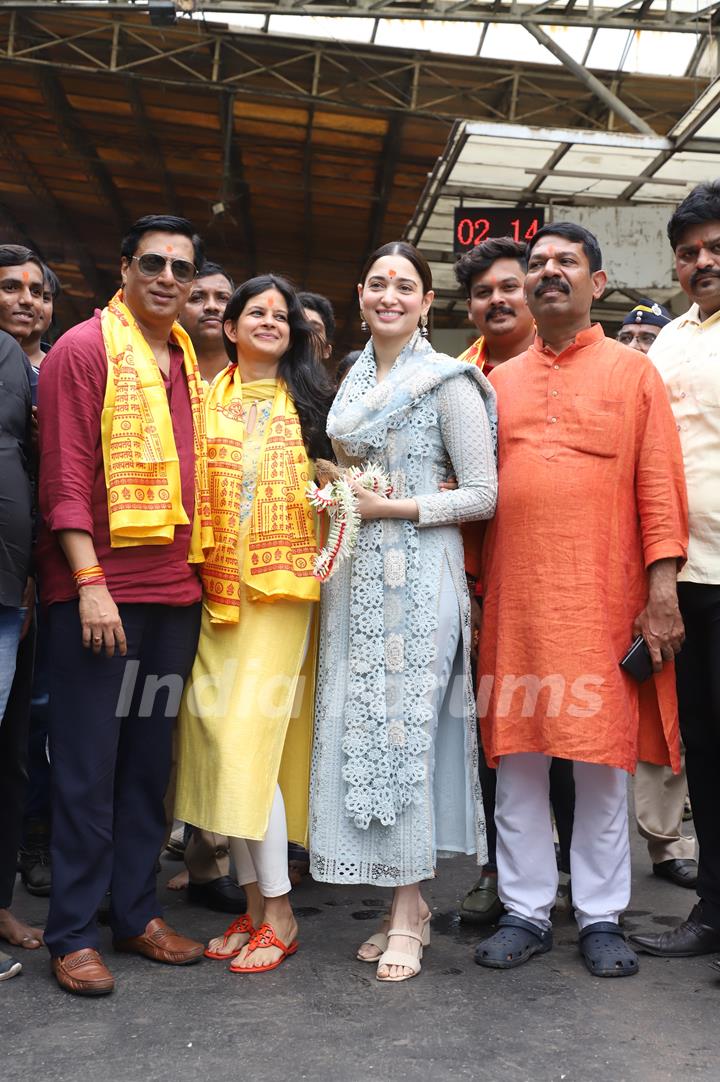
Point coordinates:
[(510, 176), (573, 39), (508, 164), (690, 167), (660, 193), (711, 128), (582, 186), (480, 150), (652, 52), (607, 160), (456, 38), (607, 49), (507, 41), (502, 41), (600, 162), (327, 28)]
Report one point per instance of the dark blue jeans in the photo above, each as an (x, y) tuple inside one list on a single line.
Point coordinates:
[(111, 725), (10, 624)]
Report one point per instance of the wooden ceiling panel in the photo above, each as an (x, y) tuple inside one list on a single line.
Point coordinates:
[(248, 130)]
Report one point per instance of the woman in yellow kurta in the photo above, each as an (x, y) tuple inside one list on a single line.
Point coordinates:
[(245, 728)]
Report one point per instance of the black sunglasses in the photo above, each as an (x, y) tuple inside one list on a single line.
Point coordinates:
[(151, 264)]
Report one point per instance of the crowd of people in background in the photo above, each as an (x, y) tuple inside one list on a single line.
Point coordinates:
[(530, 612)]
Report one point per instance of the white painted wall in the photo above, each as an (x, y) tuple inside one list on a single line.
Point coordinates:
[(636, 251), (453, 340)]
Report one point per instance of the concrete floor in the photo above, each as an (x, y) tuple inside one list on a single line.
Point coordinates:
[(322, 1015)]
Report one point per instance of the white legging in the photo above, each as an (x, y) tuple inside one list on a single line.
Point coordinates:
[(265, 862)]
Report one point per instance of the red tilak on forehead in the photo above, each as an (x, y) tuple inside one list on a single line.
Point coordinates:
[(392, 273), (25, 276)]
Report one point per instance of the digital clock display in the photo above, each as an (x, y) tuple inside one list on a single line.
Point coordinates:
[(473, 225)]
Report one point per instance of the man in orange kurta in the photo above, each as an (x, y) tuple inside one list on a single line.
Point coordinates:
[(492, 276), (580, 558)]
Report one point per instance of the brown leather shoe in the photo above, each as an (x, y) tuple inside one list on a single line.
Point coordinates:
[(83, 973), (161, 943)]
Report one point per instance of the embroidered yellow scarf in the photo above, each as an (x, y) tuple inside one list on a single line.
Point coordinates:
[(277, 562), (142, 472)]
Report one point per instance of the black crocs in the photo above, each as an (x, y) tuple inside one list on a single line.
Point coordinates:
[(605, 952), (514, 943)]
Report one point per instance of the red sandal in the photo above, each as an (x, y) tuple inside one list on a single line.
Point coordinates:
[(265, 937), (241, 924)]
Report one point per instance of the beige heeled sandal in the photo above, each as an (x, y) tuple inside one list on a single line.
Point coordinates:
[(400, 958), (380, 940)]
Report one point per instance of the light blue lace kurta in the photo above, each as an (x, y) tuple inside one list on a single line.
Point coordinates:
[(395, 759)]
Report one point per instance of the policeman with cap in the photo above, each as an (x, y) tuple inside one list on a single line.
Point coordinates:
[(643, 324)]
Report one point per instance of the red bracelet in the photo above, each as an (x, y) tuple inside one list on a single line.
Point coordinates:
[(82, 572), (91, 580)]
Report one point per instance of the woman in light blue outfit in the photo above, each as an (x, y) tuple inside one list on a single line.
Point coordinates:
[(395, 775)]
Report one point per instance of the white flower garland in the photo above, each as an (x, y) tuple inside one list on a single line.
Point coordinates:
[(338, 501)]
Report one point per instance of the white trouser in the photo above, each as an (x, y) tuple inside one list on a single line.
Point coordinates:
[(265, 862), (600, 849)]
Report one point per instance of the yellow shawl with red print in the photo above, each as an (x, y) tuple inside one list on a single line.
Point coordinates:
[(277, 561), (142, 471), (476, 353)]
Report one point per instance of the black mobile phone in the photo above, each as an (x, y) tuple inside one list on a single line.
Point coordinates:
[(637, 661)]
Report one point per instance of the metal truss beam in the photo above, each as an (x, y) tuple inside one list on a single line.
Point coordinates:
[(385, 82), (591, 82), (634, 15)]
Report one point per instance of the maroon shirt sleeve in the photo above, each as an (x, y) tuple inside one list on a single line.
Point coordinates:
[(70, 400)]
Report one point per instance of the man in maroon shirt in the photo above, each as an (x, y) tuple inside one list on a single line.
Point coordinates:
[(120, 650)]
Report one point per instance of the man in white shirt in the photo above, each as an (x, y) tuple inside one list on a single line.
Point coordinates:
[(687, 354), (660, 794)]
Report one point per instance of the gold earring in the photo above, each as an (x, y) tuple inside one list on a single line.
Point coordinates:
[(363, 323), (423, 325)]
